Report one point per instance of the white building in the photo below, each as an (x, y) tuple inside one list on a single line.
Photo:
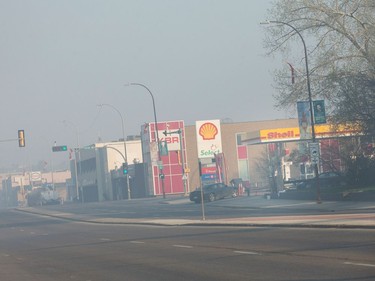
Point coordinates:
[(94, 165)]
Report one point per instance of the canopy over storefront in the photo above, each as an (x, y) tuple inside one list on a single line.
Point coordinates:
[(293, 134)]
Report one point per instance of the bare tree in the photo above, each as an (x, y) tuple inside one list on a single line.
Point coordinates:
[(355, 102), (340, 38), (269, 167)]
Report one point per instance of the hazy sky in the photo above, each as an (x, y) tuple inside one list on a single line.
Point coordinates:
[(201, 59)]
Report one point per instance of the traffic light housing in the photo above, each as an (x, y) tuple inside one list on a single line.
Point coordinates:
[(125, 168), (59, 148), (21, 138)]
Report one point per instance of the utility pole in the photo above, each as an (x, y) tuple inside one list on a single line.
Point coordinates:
[(160, 163), (313, 136)]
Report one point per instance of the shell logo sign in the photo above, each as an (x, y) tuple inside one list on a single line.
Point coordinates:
[(321, 131), (279, 134), (208, 131), (208, 138)]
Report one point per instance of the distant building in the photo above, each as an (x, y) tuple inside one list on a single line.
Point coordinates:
[(15, 187)]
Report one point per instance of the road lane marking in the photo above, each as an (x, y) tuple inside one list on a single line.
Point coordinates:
[(246, 253), (105, 239), (137, 242), (360, 264), (289, 205), (183, 246)]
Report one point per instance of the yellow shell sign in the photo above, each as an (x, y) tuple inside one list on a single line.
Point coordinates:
[(321, 131), (208, 131), (279, 134)]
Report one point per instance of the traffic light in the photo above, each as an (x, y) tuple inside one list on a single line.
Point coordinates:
[(125, 168), (21, 138), (59, 148)]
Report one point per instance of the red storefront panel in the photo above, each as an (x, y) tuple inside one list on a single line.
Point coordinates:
[(172, 163), (242, 152)]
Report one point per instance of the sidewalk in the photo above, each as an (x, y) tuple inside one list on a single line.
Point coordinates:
[(356, 215), (362, 216)]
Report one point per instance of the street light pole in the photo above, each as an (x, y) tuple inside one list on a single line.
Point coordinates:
[(313, 137), (156, 130), (77, 151), (123, 137)]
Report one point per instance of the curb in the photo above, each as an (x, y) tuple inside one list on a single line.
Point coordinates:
[(205, 223)]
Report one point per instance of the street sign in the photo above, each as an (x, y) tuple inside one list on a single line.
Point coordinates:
[(314, 152), (208, 177), (319, 112)]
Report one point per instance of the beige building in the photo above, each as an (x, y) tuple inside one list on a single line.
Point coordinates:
[(231, 135)]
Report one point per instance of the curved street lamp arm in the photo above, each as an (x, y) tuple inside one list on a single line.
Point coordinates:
[(154, 108), (122, 155), (122, 125), (316, 169), (307, 71), (156, 127)]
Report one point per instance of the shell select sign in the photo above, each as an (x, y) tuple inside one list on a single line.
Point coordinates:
[(208, 138)]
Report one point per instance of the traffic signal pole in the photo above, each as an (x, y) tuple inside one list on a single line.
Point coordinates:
[(124, 140), (20, 138), (124, 165)]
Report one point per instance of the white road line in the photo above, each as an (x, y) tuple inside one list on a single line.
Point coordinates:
[(290, 205), (246, 253), (105, 239), (183, 246), (360, 264), (137, 242)]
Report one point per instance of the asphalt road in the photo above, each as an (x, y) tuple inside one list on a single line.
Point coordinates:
[(41, 248)]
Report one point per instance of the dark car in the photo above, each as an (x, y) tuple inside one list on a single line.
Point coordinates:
[(212, 192), (327, 179)]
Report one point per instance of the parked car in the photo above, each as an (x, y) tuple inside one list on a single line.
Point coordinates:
[(326, 179), (212, 192)]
